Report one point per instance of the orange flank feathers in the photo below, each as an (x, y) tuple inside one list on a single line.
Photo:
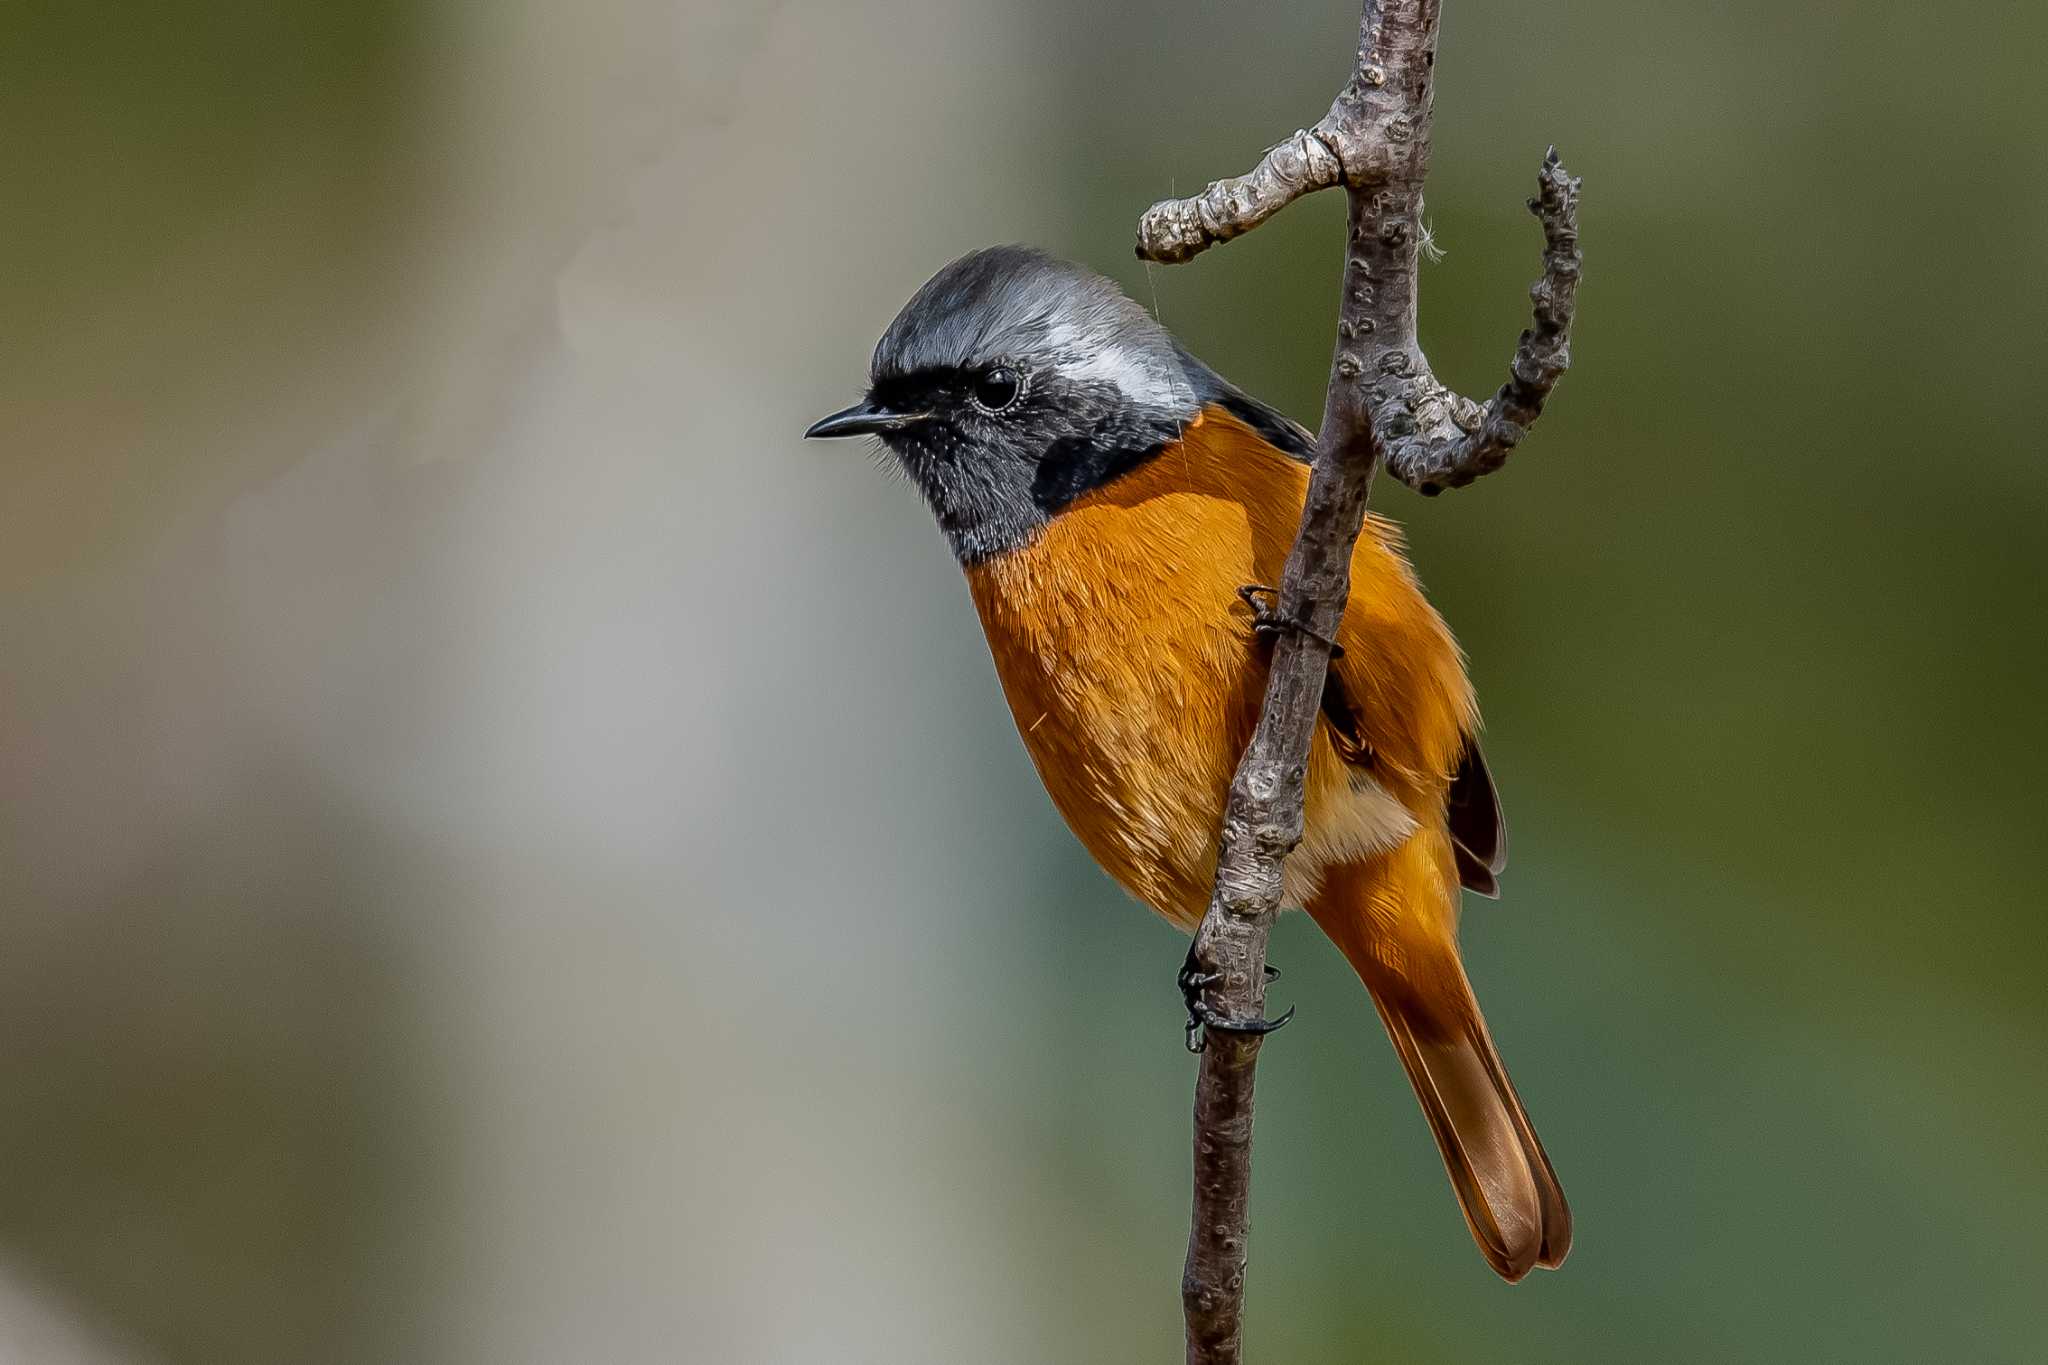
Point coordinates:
[(1134, 674), (1131, 666)]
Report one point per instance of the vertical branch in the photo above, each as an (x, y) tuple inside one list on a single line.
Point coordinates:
[(1382, 404)]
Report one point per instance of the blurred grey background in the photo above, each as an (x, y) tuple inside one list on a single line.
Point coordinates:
[(509, 856)]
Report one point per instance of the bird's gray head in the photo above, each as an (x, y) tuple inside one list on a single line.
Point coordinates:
[(1013, 382)]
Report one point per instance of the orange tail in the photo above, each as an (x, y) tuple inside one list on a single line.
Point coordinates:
[(1395, 919)]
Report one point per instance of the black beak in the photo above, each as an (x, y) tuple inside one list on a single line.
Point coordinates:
[(865, 418)]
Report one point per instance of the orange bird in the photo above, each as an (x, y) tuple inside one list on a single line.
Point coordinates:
[(1108, 496)]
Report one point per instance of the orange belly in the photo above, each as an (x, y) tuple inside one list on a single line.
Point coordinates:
[(1134, 674)]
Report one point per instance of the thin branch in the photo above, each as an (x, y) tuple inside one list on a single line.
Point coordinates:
[(1373, 141), (1178, 230), (1382, 404), (1436, 439)]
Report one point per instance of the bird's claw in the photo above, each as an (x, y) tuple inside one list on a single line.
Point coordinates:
[(1201, 1018), (1269, 620)]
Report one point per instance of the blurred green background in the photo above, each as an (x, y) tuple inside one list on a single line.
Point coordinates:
[(509, 856)]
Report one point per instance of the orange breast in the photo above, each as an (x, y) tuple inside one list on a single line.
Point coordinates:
[(1134, 674)]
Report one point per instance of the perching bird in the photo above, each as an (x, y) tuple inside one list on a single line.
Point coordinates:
[(1109, 496)]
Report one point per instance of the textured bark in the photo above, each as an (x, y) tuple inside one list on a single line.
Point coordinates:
[(1383, 406), (1375, 141)]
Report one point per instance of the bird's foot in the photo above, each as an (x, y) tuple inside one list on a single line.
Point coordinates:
[(1193, 981), (1269, 620)]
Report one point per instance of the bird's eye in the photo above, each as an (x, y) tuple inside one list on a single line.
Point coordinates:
[(997, 388)]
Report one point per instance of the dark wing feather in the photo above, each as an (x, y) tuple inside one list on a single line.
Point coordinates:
[(1479, 833), (1275, 427), (1345, 732)]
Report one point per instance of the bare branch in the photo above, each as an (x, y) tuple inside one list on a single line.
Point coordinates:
[(1374, 141), (1436, 439), (1382, 403), (1177, 230)]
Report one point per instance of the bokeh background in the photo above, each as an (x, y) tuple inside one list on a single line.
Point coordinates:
[(507, 855)]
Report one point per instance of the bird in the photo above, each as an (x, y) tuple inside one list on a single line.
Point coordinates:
[(1114, 502)]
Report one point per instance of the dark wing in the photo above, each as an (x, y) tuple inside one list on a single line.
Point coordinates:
[(1274, 427), (1345, 732), (1479, 833)]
